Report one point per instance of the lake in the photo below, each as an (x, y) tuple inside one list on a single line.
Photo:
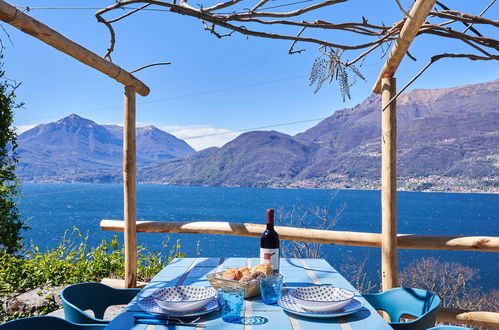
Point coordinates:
[(54, 208)]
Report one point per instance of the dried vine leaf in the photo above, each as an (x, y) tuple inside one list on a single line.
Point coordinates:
[(329, 66)]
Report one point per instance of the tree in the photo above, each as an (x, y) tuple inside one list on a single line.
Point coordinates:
[(452, 281), (301, 216), (11, 224)]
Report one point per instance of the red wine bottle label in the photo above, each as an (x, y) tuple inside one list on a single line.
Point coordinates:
[(270, 256)]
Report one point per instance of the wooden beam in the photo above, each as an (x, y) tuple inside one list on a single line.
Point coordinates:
[(11, 15), (405, 241), (454, 243), (389, 263), (129, 187), (473, 318), (248, 230), (418, 14)]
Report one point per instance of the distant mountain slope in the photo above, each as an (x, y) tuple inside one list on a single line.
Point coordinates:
[(447, 133), (252, 159), (75, 148), (448, 139), (153, 144)]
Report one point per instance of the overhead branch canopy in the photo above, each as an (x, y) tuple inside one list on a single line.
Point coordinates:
[(337, 54)]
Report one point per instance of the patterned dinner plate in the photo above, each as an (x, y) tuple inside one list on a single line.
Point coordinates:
[(183, 299), (289, 304), (148, 305), (322, 298)]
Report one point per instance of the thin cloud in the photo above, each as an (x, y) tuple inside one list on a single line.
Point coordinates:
[(206, 135), (23, 128), (216, 137)]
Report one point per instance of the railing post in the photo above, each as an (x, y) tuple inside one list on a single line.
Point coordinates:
[(389, 267), (129, 187)]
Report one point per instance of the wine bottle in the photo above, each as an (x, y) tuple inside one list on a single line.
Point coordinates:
[(269, 244)]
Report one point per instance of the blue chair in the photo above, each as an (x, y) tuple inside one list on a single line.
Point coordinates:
[(93, 296), (398, 302), (48, 322)]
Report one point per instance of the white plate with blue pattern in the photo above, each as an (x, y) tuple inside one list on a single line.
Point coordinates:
[(322, 298), (149, 305), (289, 304)]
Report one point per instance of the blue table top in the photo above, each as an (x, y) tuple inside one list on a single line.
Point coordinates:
[(296, 272)]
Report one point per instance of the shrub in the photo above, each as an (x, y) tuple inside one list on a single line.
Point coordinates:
[(452, 282), (322, 218), (73, 261)]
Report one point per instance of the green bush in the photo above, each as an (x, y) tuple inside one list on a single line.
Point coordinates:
[(73, 261)]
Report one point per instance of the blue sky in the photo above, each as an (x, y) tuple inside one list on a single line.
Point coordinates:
[(213, 85)]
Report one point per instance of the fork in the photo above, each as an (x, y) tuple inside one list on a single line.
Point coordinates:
[(145, 318)]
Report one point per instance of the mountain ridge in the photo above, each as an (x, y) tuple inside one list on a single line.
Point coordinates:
[(74, 148), (447, 141)]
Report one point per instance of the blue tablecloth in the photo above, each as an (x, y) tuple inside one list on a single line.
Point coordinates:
[(296, 272)]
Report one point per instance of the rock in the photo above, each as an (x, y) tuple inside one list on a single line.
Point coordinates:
[(33, 301), (57, 313), (111, 312)]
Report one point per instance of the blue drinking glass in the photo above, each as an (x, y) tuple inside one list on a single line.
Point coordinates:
[(271, 288), (230, 302)]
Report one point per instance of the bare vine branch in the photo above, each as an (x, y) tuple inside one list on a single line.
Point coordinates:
[(273, 23), (433, 60), (481, 14), (402, 9), (291, 51), (149, 65)]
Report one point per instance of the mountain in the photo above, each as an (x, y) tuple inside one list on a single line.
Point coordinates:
[(448, 140), (75, 148), (254, 158), (443, 135), (153, 144)]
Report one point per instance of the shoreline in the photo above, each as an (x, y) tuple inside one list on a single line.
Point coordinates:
[(492, 192)]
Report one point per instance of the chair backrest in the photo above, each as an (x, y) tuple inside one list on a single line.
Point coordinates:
[(93, 296), (449, 327), (46, 323), (400, 301)]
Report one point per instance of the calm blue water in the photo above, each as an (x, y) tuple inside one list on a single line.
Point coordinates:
[(53, 208)]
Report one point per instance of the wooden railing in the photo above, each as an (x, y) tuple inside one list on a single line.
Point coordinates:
[(404, 241), (473, 318)]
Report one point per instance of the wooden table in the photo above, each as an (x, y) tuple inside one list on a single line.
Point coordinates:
[(296, 272)]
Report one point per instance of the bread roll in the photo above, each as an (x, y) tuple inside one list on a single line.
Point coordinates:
[(264, 268), (256, 275), (246, 278), (245, 270), (233, 274)]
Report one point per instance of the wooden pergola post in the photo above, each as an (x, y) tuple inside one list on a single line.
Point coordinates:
[(385, 85), (389, 263), (129, 186)]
